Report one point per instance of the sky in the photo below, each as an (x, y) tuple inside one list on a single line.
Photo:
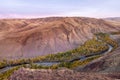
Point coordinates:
[(51, 8)]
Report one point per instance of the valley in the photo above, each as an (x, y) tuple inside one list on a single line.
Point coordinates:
[(60, 40), (29, 38), (50, 63), (76, 43)]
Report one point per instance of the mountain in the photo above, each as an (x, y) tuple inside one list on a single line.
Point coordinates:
[(113, 19), (26, 38)]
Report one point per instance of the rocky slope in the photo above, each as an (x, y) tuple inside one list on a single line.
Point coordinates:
[(63, 74), (26, 38), (107, 63)]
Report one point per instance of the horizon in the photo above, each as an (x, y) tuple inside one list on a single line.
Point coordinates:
[(57, 17), (59, 8)]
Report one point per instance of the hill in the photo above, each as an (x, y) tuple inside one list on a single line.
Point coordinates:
[(26, 38)]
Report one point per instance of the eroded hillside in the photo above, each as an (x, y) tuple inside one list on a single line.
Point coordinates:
[(107, 63), (26, 38)]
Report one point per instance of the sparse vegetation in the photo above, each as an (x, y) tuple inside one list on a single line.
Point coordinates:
[(69, 65), (115, 33), (5, 75), (77, 63), (106, 38), (90, 46)]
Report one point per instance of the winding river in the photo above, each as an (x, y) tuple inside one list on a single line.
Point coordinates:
[(52, 63), (4, 69), (93, 54)]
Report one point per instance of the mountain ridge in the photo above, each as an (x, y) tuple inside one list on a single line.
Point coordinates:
[(26, 38)]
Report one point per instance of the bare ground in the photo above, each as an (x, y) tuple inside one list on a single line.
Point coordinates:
[(26, 38), (62, 74)]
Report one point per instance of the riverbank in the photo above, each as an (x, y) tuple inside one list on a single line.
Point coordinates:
[(90, 47), (70, 59)]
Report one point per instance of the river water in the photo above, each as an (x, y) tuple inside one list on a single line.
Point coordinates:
[(52, 63)]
